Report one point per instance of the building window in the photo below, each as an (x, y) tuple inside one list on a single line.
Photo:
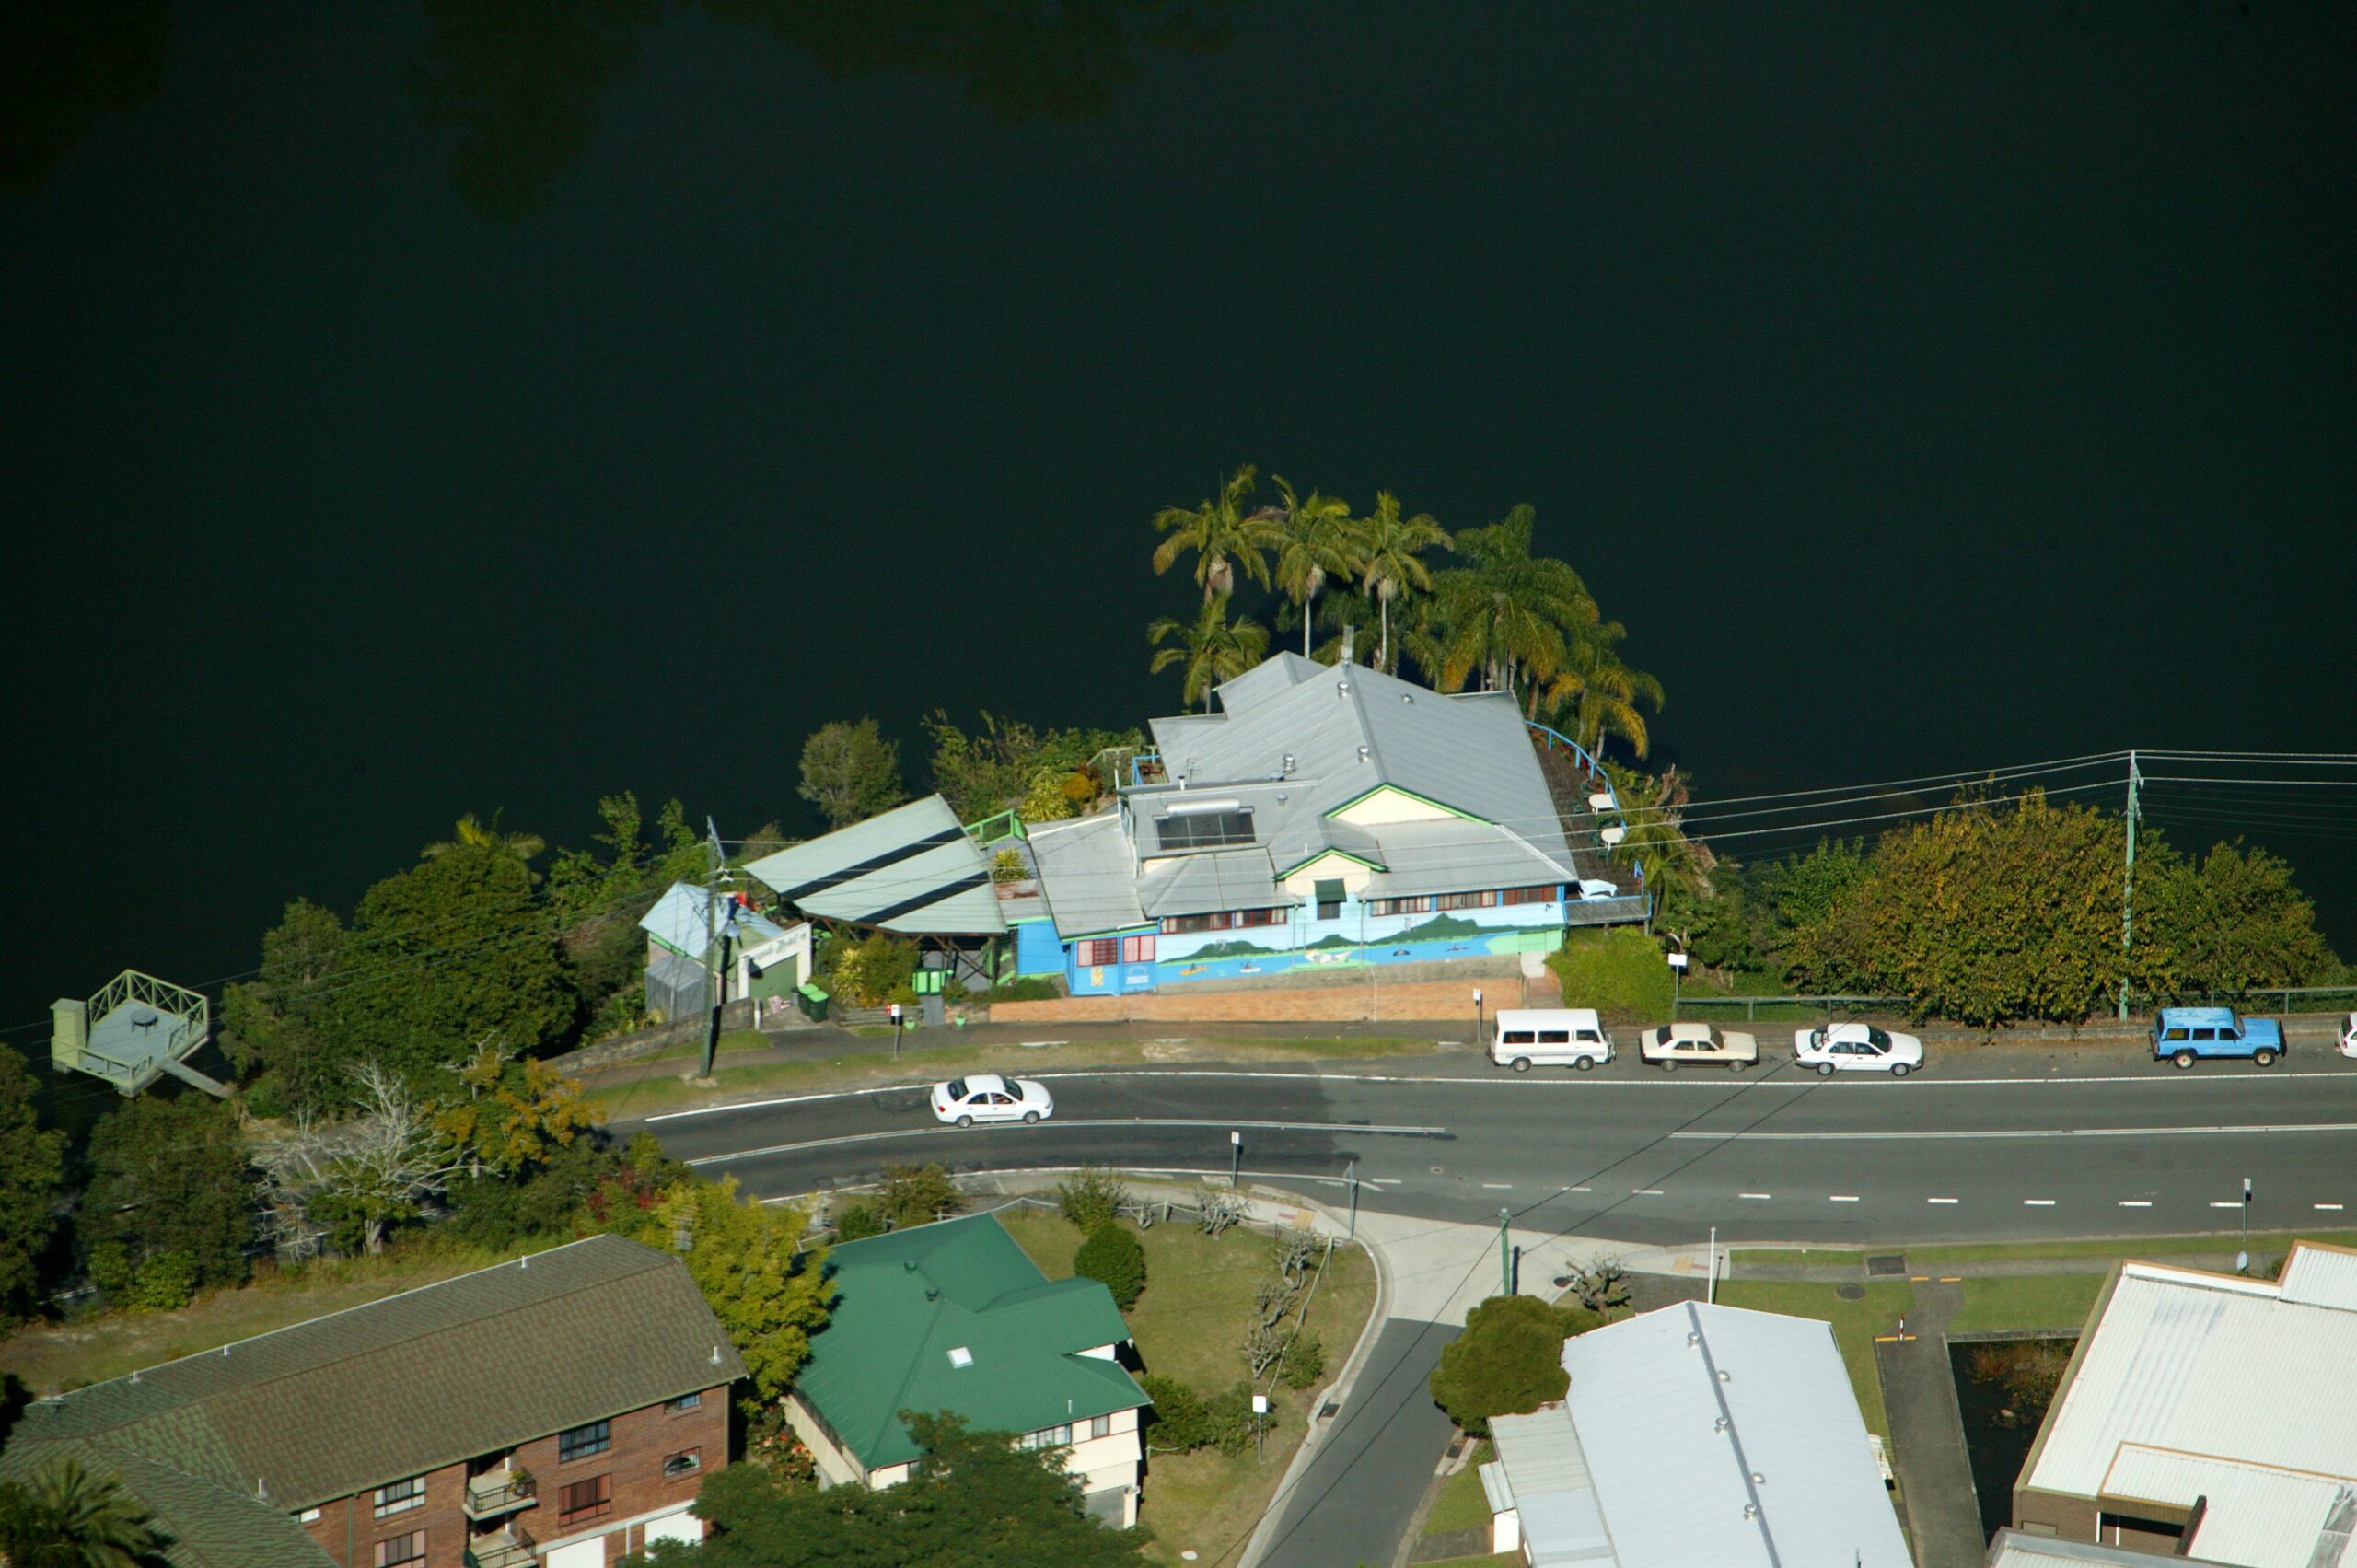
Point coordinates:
[(1137, 949), (677, 1465), (1100, 1426), (1102, 952), (684, 1402), (1180, 924), (1260, 917), (1544, 893), (401, 1550), (1048, 1438), (310, 1515), (1204, 829), (1417, 905), (400, 1496), (583, 1441), (587, 1500), (1479, 901)]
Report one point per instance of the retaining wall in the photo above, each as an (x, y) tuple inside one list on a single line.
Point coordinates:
[(1373, 1002)]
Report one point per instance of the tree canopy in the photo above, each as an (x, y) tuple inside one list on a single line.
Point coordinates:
[(1509, 1360), (167, 1208), (744, 1257), (32, 1164), (851, 773)]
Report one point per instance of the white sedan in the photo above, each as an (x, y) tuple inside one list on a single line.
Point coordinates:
[(986, 1096), (1859, 1048), (1674, 1045), (2349, 1035)]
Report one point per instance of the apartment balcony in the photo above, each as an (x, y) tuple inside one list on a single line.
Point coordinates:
[(509, 1548), (494, 1492)]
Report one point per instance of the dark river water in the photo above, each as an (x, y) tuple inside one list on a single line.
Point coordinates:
[(424, 409)]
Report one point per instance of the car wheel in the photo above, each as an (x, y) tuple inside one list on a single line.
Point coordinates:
[(2183, 1059), (1900, 1069), (965, 1121), (1825, 1069), (1030, 1119), (1669, 1064), (1584, 1063), (2263, 1058), (1522, 1063)]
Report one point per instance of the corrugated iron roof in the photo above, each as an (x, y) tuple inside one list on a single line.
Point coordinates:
[(1087, 876), (912, 869), (2257, 1515), (677, 919), (2012, 1548)]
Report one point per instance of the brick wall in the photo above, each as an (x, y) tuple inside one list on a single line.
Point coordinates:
[(639, 1442), (1413, 1001)]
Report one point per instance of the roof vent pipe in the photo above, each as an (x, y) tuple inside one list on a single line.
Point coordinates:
[(1288, 766), (1361, 753), (1349, 636)]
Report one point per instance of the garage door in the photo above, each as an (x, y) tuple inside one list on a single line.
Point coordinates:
[(580, 1554), (682, 1526)]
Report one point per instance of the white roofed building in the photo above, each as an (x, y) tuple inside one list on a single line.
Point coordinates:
[(1325, 815), (2209, 1414), (1696, 1436)]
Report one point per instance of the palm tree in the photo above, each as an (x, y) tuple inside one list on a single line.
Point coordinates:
[(1222, 535), (66, 1518), (473, 833), (1602, 692), (1509, 612), (1212, 648), (1320, 542), (1389, 546)]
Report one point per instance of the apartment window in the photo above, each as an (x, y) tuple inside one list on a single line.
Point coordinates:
[(310, 1515), (583, 1441), (684, 1402), (685, 1463), (1049, 1438), (1479, 901), (1100, 1426), (1137, 949), (587, 1500), (1102, 952), (401, 1550), (400, 1496), (1545, 893)]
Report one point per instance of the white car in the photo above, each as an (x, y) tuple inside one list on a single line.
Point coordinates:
[(1671, 1046), (1859, 1048), (986, 1096), (2349, 1035)]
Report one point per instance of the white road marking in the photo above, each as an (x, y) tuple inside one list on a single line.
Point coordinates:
[(1645, 1191), (2332, 1206), (2225, 1203), (1049, 1126), (1497, 1186), (1383, 1182), (2135, 1203), (1843, 1197), (1579, 1189), (2039, 1203), (1756, 1197), (1939, 1200), (2220, 1130)]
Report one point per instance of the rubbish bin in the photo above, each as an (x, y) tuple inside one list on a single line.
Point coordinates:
[(813, 1000)]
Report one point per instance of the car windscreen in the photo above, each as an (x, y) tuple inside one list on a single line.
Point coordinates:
[(956, 1088)]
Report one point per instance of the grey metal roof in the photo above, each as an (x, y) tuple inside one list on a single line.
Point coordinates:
[(912, 869), (1198, 884), (1678, 1489), (1554, 1491), (2238, 1370), (678, 920), (2257, 1515), (1272, 677), (1087, 876), (2012, 1548)]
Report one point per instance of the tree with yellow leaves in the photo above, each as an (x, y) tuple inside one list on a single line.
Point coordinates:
[(768, 1290), (510, 1115)]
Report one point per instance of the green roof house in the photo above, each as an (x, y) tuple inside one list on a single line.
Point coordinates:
[(556, 1412), (954, 1317)]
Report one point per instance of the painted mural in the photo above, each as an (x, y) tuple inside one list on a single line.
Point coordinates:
[(1354, 943)]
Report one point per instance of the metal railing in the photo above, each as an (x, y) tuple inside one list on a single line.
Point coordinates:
[(500, 1491), (2276, 998), (995, 829), (509, 1548), (1827, 1004)]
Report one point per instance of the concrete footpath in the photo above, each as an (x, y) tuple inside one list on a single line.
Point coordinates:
[(1927, 1432)]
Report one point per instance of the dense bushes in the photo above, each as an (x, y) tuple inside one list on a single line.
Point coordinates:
[(1619, 971), (1509, 1360), (1185, 1420), (1113, 1257), (1089, 1197)]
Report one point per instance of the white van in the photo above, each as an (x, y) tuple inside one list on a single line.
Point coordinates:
[(1561, 1037)]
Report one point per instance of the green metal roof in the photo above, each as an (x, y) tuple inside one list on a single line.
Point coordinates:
[(468, 1366), (908, 1298)]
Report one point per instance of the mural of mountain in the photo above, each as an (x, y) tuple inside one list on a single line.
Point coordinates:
[(1230, 949)]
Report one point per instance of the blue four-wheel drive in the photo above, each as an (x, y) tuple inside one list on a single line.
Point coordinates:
[(2186, 1035)]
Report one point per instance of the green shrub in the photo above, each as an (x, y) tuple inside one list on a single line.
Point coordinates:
[(1023, 988), (1114, 1257), (1303, 1362), (856, 1221), (1228, 1421), (1179, 1423), (871, 973), (1090, 1198), (1619, 972), (1008, 866), (1509, 1360), (917, 1195), (159, 1283)]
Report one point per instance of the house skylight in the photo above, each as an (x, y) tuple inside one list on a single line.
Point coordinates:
[(960, 1356)]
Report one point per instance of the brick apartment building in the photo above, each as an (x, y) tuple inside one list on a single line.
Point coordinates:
[(560, 1411)]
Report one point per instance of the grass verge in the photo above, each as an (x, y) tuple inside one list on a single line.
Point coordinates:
[(2027, 1301), (51, 1358), (1462, 1504), (1855, 1324), (2261, 1243), (1190, 1324), (1798, 1257)]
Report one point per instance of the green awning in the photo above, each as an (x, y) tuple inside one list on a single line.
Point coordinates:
[(1329, 889)]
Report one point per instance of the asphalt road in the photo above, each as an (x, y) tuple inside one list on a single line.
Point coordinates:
[(1643, 1156)]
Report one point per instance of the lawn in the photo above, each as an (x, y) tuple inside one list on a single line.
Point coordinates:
[(53, 1358), (2263, 1245), (1500, 1561), (1797, 1257), (1462, 1504), (1190, 1325), (1855, 1324), (2027, 1301)]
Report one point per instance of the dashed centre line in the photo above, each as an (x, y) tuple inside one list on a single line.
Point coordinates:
[(2038, 1203)]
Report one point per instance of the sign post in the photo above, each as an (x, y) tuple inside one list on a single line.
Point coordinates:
[(1260, 1412), (1478, 1044), (1235, 1157), (896, 1030)]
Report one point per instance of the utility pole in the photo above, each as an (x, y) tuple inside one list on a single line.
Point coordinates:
[(2128, 886), (1506, 1255), (1354, 1197), (714, 932)]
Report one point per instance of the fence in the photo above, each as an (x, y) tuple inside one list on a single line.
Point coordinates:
[(1797, 1006), (2273, 998)]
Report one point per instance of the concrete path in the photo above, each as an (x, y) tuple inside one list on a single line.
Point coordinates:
[(1927, 1432), (1355, 1498)]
